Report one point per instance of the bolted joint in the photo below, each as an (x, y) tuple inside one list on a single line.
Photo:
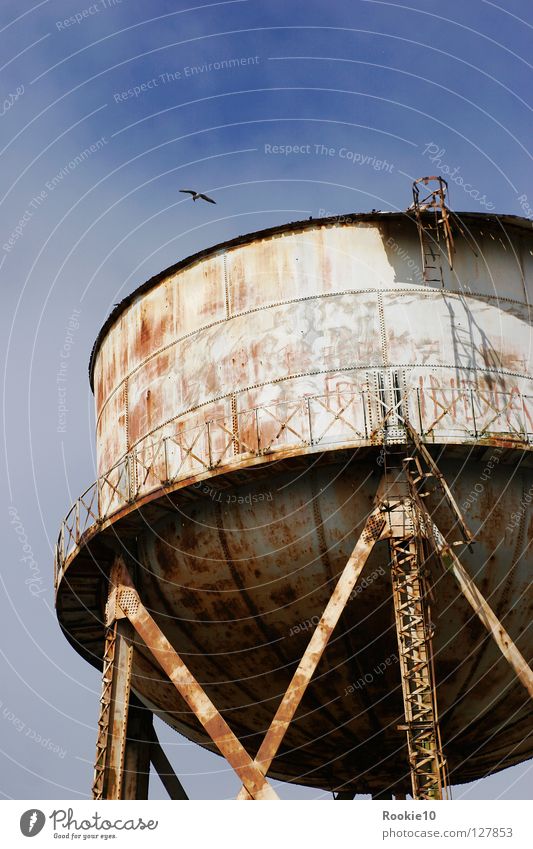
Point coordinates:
[(112, 613), (122, 602), (128, 601)]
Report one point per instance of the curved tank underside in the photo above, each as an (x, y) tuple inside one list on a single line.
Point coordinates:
[(238, 577), (256, 347)]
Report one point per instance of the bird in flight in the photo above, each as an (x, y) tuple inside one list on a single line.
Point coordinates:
[(198, 195)]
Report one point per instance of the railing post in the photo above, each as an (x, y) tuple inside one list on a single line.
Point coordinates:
[(131, 472), (99, 488), (77, 521), (419, 407), (165, 455), (364, 402), (473, 412), (257, 430), (208, 428), (526, 434), (308, 399), (56, 565)]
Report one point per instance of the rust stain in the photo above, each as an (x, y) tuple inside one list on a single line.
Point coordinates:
[(303, 320)]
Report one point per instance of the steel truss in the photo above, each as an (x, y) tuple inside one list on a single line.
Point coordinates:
[(410, 593), (400, 517)]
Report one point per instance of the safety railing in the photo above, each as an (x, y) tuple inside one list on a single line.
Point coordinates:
[(317, 421)]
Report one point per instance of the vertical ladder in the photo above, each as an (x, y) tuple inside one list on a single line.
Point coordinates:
[(436, 239), (431, 253)]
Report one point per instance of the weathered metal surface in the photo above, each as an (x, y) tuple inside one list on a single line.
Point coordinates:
[(486, 615), (191, 691), (137, 752), (169, 457), (114, 709), (311, 312), (206, 606), (241, 657), (105, 714), (288, 706), (234, 576), (410, 595)]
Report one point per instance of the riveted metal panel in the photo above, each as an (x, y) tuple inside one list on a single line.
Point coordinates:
[(283, 316)]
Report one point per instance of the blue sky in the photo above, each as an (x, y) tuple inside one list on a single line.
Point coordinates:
[(369, 95)]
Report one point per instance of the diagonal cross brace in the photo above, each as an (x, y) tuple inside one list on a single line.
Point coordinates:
[(163, 767), (479, 604), (372, 532), (127, 600)]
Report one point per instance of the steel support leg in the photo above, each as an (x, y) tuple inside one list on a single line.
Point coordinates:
[(414, 651), (413, 631), (114, 706), (122, 765), (137, 754), (125, 599), (163, 767)]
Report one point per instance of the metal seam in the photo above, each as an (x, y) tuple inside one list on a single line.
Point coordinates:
[(423, 291), (126, 414), (383, 331), (343, 369), (226, 285)]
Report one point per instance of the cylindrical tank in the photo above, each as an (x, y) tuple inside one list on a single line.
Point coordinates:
[(239, 399)]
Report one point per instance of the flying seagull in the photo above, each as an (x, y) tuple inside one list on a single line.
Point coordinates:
[(197, 195)]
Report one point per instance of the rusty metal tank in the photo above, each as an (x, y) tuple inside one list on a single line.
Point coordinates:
[(239, 399)]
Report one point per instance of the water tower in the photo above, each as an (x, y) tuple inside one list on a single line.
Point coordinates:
[(307, 547)]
